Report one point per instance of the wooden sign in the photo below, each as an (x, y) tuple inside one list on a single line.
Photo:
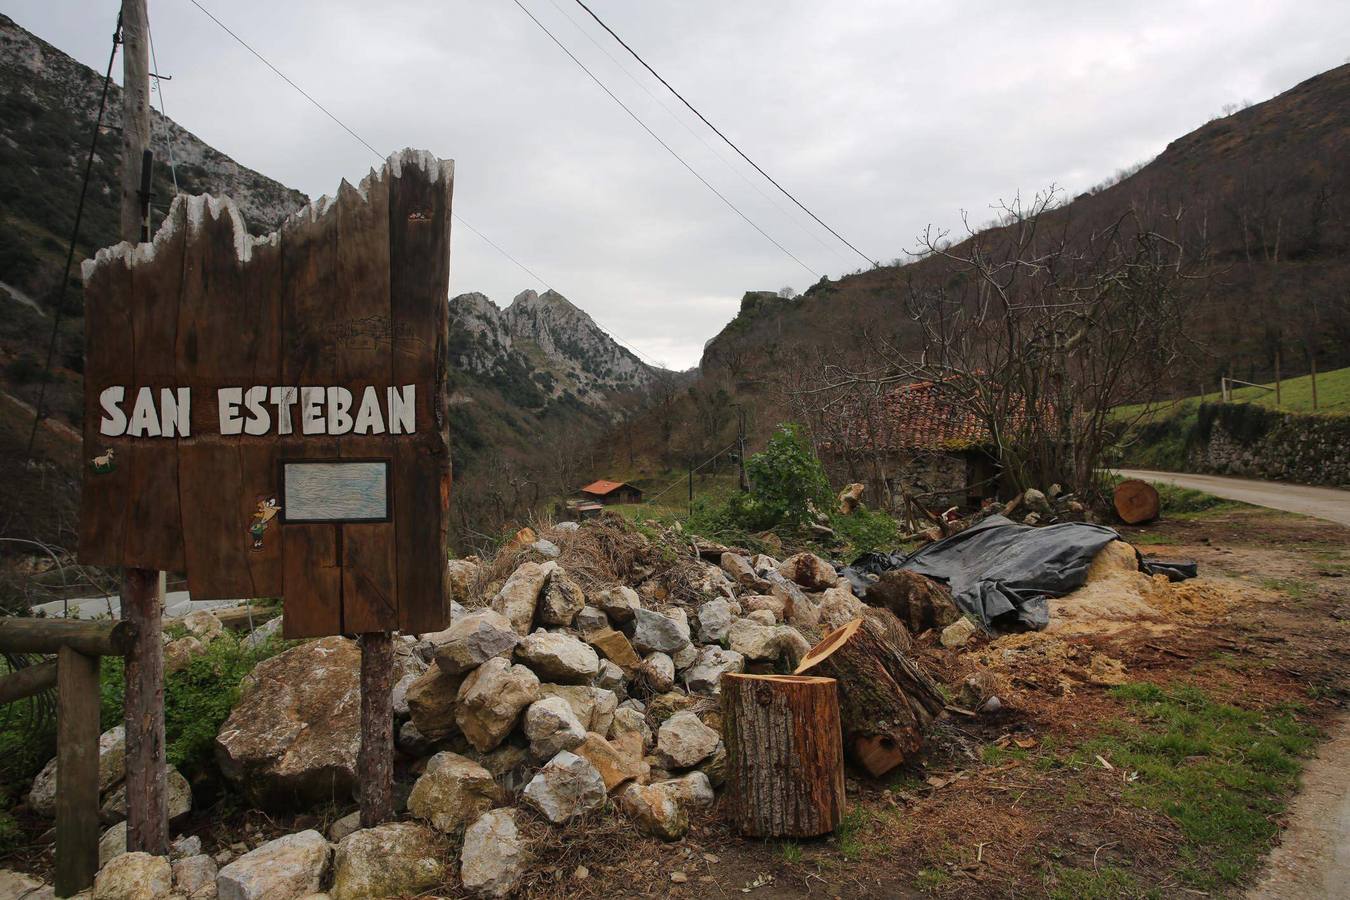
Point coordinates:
[(268, 414)]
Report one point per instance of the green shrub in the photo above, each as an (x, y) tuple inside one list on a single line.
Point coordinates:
[(197, 698), (867, 530)]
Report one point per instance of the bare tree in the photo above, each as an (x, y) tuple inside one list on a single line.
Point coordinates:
[(1040, 332)]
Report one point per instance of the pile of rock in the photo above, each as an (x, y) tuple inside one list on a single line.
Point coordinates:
[(542, 699)]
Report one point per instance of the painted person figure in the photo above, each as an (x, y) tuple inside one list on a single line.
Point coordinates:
[(263, 514)]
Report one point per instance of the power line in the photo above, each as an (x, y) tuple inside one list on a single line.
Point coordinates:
[(74, 237), (739, 173), (718, 131), (658, 139), (491, 243)]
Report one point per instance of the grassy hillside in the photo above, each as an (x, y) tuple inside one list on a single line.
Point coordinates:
[(1333, 398)]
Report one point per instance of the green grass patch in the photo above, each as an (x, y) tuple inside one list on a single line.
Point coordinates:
[(1292, 587), (791, 852), (1102, 883), (1221, 773), (1333, 397), (854, 833), (931, 880)]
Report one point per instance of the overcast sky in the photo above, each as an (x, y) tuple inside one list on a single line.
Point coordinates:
[(880, 116)]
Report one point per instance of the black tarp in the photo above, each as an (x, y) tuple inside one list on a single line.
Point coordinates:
[(999, 572)]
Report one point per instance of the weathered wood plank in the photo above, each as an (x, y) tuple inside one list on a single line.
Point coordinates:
[(313, 576), (210, 351), (154, 536), (419, 235), (77, 825), (106, 485), (364, 346)]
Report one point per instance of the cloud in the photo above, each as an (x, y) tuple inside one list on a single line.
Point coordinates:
[(882, 117)]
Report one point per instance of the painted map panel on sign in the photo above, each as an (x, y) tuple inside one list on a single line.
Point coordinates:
[(335, 491), (268, 415)]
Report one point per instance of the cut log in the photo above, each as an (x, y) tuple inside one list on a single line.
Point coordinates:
[(1136, 501), (886, 703), (785, 767), (919, 602)]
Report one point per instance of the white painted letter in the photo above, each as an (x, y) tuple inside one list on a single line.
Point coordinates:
[(114, 421), (283, 398), (312, 420), (144, 422), (175, 410), (339, 410), (258, 421), (402, 409), (369, 419), (228, 400)]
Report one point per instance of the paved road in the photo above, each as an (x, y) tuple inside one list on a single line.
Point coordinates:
[(1313, 858), (1327, 503)]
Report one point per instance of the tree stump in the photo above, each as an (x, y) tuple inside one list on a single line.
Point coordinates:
[(919, 602), (1136, 501), (785, 768), (886, 702)]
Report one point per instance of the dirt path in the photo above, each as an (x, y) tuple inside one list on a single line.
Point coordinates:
[(1327, 503), (1313, 859)]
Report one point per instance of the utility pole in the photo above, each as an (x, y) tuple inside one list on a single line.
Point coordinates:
[(142, 589)]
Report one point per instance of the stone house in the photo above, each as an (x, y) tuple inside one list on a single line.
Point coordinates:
[(911, 440)]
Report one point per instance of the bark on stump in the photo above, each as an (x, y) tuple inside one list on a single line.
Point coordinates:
[(1136, 501), (886, 703), (785, 768)]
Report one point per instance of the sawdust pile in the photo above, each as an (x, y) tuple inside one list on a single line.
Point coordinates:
[(1117, 596)]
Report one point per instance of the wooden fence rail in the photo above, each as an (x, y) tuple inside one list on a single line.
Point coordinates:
[(78, 646)]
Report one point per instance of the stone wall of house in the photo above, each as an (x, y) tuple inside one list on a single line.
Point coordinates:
[(1254, 442), (940, 475)]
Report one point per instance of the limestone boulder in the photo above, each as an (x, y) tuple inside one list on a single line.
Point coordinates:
[(630, 721), (685, 741), (762, 617), (112, 753), (655, 811), (610, 677), (609, 759), (431, 702), (179, 653), (293, 737), (563, 598), (566, 787), (195, 876), (615, 647), (491, 700), (658, 671), (397, 859), (766, 643), (959, 633), (594, 706), (461, 576), (691, 791), (177, 792), (551, 726), (473, 639), (558, 657), (775, 606), (134, 876), (710, 581), (705, 675), (838, 606), (452, 792), (494, 856), (619, 603), (203, 625), (714, 618), (518, 598), (809, 571), (657, 633), (590, 618), (293, 865), (112, 842)]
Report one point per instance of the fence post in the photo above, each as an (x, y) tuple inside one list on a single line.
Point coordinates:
[(77, 732)]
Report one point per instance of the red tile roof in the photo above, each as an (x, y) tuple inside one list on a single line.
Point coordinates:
[(915, 417), (602, 487)]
